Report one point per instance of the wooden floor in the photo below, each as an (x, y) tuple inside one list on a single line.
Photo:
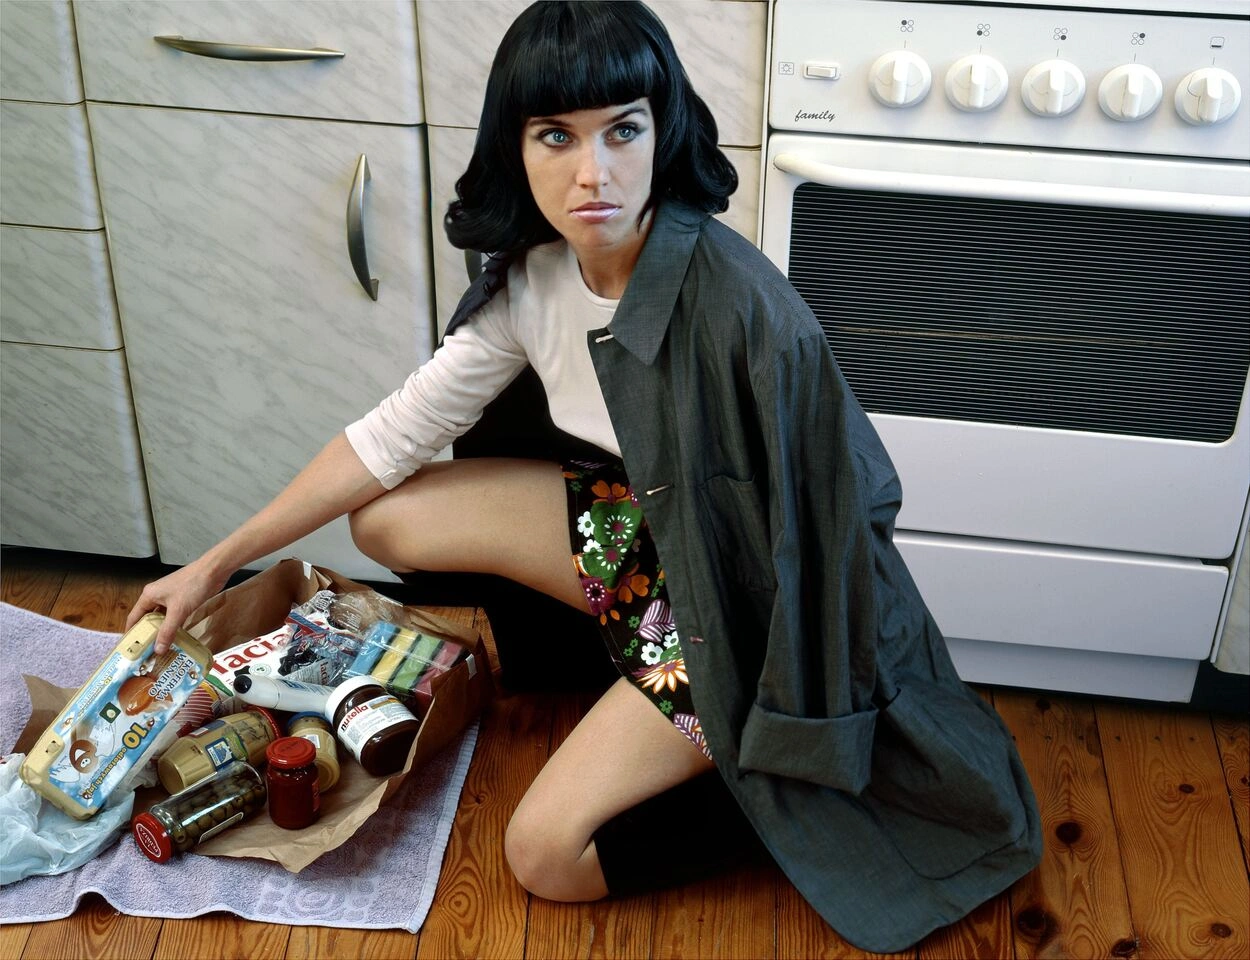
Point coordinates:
[(1145, 810)]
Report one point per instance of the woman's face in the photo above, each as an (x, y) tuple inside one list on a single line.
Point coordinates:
[(590, 173)]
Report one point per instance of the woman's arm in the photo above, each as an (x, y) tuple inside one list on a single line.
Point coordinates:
[(335, 482)]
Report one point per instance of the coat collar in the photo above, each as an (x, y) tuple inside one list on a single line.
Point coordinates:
[(643, 315)]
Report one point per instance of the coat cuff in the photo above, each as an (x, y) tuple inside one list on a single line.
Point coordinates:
[(834, 752)]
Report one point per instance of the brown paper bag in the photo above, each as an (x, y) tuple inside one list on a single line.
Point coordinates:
[(257, 606)]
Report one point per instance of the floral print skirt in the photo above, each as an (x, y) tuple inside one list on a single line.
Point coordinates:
[(620, 574)]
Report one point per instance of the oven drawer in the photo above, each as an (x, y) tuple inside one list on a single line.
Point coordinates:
[(377, 79), (1066, 598)]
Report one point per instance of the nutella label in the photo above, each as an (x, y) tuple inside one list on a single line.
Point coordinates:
[(368, 719)]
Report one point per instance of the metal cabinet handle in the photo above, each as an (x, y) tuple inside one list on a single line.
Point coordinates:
[(356, 228), (243, 51)]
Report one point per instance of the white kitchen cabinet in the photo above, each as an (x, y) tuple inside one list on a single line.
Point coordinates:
[(38, 61), (72, 475), (45, 166), (250, 339), (376, 79), (56, 288)]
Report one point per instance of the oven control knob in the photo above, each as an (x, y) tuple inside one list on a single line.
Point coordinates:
[(1053, 88), (1130, 92), (976, 83), (1206, 96), (900, 79)]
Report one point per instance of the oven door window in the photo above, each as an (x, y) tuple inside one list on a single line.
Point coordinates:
[(998, 311)]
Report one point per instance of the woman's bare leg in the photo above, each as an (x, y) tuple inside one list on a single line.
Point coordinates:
[(622, 752), (510, 517), (507, 517)]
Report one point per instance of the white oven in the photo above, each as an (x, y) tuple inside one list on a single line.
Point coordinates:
[(1026, 233)]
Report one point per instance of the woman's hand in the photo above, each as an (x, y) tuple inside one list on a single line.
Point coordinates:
[(335, 482), (178, 595)]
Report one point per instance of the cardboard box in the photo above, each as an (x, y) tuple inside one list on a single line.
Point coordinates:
[(258, 606)]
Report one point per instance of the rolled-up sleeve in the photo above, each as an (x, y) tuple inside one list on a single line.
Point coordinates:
[(442, 399)]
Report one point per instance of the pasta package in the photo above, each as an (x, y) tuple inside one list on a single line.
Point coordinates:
[(112, 725)]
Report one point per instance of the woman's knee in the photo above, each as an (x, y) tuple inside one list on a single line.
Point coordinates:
[(550, 864)]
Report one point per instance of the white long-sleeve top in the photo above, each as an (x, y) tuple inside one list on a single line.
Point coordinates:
[(541, 318)]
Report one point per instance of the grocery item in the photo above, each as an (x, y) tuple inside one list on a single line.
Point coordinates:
[(111, 725), (236, 736), (373, 724), (273, 653), (200, 812), (315, 728), (405, 661), (203, 704), (291, 779), (281, 693)]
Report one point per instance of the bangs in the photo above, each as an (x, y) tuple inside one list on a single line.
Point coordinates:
[(581, 62)]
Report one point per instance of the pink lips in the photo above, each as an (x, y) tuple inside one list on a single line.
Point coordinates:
[(596, 212)]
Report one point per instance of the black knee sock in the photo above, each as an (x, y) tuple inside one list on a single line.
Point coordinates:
[(711, 832)]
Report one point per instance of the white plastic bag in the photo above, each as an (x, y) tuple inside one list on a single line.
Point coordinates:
[(37, 838)]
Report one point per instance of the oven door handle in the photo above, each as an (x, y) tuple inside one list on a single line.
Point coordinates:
[(853, 178)]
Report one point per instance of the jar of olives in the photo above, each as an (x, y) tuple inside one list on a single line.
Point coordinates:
[(200, 812)]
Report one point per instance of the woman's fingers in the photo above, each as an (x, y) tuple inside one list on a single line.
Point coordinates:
[(177, 595)]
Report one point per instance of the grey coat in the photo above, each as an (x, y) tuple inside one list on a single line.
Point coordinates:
[(887, 790)]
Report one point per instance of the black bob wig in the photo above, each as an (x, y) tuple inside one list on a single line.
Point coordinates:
[(559, 57)]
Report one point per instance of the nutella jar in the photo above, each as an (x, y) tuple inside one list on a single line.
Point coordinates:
[(373, 724)]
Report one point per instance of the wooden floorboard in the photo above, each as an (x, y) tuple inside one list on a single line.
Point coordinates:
[(31, 585), (221, 936), (478, 911), (13, 939), (94, 930), (1186, 881), (1145, 809), (1232, 737), (802, 934), (1076, 905)]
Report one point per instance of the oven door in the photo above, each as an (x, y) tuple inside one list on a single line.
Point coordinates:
[(1053, 346)]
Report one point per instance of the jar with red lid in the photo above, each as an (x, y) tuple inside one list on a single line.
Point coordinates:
[(200, 812), (291, 777)]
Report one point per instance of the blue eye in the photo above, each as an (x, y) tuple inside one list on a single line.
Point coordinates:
[(626, 131), (554, 138)]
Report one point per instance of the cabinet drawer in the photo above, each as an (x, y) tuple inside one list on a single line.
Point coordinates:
[(38, 60), (56, 288), (376, 80), (721, 45), (45, 166), (73, 478), (1067, 598)]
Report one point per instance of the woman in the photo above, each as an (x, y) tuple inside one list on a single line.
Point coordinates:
[(734, 543)]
